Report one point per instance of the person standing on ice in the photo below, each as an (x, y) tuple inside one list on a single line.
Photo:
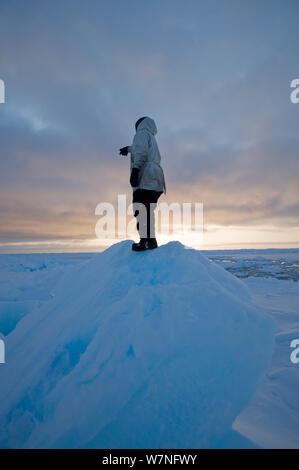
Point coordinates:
[(147, 180)]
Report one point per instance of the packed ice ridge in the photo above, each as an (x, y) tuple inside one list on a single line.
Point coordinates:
[(158, 349)]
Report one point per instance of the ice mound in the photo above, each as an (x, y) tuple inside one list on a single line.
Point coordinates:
[(159, 349)]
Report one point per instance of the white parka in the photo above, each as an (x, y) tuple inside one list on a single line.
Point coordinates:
[(146, 157)]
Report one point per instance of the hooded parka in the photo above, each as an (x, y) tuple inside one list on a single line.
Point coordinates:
[(145, 156)]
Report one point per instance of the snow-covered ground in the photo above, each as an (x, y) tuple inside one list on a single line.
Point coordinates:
[(272, 419), (95, 342)]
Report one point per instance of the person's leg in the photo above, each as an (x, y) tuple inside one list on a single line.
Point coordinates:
[(140, 206), (135, 201), (140, 212), (145, 216), (152, 198)]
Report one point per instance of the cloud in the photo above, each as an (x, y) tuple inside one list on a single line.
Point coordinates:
[(78, 75)]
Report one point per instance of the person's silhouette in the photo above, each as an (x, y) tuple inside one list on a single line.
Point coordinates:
[(147, 180)]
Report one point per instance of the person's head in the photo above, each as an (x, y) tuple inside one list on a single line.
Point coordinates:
[(139, 121)]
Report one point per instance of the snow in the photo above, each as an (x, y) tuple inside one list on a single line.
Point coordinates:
[(161, 349), (11, 313), (272, 418)]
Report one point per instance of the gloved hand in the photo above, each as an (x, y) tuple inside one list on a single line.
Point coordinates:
[(124, 151), (134, 177)]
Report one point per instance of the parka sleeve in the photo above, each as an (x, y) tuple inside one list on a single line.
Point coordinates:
[(139, 149)]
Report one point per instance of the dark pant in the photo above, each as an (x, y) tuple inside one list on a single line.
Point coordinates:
[(145, 214)]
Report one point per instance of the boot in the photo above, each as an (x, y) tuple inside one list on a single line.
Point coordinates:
[(140, 246), (152, 243)]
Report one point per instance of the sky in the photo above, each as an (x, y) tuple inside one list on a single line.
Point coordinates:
[(214, 75)]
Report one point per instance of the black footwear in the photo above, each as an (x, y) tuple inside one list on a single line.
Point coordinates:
[(140, 246), (152, 243)]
